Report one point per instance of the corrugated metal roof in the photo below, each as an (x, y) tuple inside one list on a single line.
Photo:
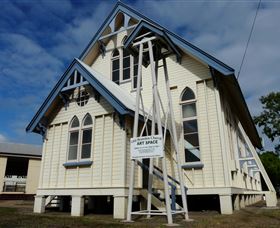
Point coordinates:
[(123, 96), (20, 149)]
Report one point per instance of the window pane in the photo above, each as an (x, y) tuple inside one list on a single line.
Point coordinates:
[(88, 120), (116, 64), (75, 122), (116, 53), (135, 82), (135, 69), (189, 110), (126, 62), (78, 79), (126, 74), (87, 136), (190, 126), (125, 53), (135, 60), (191, 140), (72, 79), (86, 151), (192, 155), (188, 95), (73, 152), (116, 77), (74, 138)]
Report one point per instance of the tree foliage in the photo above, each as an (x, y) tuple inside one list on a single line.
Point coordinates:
[(269, 119), (271, 162)]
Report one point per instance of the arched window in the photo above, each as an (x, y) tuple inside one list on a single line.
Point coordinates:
[(135, 72), (73, 139), (86, 137), (80, 138), (116, 66), (126, 65), (190, 126)]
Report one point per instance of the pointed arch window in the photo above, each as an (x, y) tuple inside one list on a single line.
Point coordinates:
[(73, 139), (80, 138), (190, 126), (86, 137), (116, 66)]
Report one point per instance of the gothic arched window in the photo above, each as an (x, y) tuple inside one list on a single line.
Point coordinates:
[(116, 66), (190, 126), (73, 139), (86, 137), (80, 138)]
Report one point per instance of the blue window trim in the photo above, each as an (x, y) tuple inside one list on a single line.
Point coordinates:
[(193, 165), (77, 164)]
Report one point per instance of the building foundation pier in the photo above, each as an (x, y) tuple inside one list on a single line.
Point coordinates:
[(120, 207), (77, 207), (226, 204), (39, 204)]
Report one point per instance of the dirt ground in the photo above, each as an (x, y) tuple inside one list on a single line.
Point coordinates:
[(19, 214)]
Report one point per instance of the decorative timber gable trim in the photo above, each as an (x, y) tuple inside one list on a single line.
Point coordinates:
[(106, 88), (180, 42)]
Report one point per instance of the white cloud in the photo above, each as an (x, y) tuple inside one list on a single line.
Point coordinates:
[(3, 138)]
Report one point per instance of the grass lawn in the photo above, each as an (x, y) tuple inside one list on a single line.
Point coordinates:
[(19, 214)]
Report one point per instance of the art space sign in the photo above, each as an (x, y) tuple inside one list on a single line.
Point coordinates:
[(146, 147)]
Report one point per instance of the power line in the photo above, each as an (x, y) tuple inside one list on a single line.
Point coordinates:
[(248, 41)]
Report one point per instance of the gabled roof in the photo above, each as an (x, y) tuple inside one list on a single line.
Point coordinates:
[(182, 43), (16, 149), (122, 102), (143, 27)]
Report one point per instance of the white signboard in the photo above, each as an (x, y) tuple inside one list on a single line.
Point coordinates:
[(146, 147)]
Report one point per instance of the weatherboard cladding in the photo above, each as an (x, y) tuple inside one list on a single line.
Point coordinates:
[(182, 43), (115, 98)]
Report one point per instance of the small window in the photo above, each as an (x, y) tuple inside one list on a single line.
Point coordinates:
[(82, 96), (86, 137), (116, 66), (190, 126), (135, 72), (126, 65), (73, 139)]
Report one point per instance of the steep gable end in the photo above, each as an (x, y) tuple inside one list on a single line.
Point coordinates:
[(128, 17), (79, 74)]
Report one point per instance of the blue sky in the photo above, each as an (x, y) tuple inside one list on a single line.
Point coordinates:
[(38, 39)]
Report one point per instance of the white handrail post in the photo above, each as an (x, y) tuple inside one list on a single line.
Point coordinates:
[(175, 143), (135, 133), (158, 120)]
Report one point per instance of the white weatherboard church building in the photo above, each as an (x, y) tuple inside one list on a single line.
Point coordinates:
[(87, 123)]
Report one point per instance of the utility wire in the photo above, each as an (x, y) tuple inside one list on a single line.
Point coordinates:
[(248, 41)]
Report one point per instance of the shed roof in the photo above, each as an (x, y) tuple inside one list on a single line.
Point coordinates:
[(20, 149)]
